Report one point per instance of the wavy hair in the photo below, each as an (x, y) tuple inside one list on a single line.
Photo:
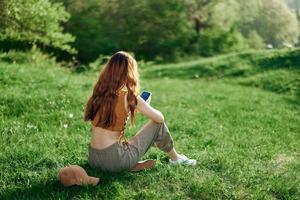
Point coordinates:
[(119, 71)]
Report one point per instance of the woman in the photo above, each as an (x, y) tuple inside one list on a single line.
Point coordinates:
[(115, 96)]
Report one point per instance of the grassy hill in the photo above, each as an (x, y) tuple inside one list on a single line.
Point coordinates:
[(237, 114), (277, 71)]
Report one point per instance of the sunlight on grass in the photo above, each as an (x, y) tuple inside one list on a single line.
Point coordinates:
[(245, 138)]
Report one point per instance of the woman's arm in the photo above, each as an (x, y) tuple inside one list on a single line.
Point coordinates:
[(149, 111)]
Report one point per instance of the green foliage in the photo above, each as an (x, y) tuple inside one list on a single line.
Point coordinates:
[(215, 41), (212, 13), (223, 15), (33, 56), (277, 23), (259, 21), (35, 22), (86, 25), (294, 5), (255, 41), (149, 28), (246, 139), (215, 26), (97, 64), (271, 19), (153, 29)]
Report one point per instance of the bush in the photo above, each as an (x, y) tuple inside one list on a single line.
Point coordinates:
[(33, 56), (153, 29), (255, 41), (97, 64), (34, 22), (215, 41)]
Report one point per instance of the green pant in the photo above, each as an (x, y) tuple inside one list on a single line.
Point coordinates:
[(121, 156)]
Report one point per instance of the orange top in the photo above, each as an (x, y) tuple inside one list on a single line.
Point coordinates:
[(121, 114)]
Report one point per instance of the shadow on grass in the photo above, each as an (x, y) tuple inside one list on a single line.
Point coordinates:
[(294, 101), (53, 189), (288, 60)]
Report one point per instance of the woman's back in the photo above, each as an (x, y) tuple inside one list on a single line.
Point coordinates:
[(104, 137)]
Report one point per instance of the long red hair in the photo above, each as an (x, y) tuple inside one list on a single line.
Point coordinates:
[(120, 70)]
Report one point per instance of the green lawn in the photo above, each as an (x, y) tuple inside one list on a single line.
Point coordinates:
[(237, 114)]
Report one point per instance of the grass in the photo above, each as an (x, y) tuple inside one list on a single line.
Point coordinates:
[(237, 114)]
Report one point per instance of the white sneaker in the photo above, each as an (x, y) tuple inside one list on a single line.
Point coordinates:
[(183, 160)]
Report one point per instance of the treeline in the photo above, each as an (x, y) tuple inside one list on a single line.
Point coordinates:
[(151, 29)]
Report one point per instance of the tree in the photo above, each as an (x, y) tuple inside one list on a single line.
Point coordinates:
[(271, 19), (295, 6), (35, 22), (149, 28), (278, 24), (215, 26), (197, 13), (207, 14)]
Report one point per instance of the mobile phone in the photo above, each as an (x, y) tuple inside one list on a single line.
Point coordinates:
[(145, 95)]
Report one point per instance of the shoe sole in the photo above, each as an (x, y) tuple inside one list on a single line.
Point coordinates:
[(141, 165), (184, 163)]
